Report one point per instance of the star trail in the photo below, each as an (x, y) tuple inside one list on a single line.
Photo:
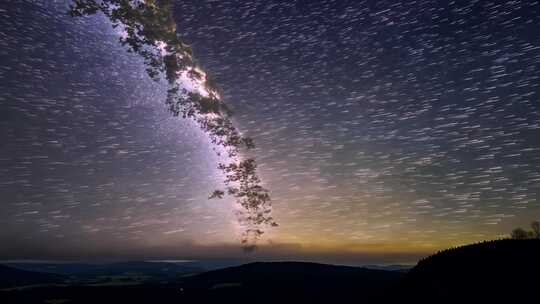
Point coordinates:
[(380, 127)]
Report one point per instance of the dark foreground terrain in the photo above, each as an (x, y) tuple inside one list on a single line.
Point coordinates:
[(286, 282), (494, 271), (491, 271)]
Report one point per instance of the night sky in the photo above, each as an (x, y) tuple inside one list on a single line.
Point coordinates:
[(384, 129)]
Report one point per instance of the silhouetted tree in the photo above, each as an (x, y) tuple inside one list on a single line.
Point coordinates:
[(520, 234), (536, 229), (149, 30)]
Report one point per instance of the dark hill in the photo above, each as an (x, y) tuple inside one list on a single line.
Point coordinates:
[(291, 282), (10, 277), (488, 271)]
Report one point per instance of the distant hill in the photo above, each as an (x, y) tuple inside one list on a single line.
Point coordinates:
[(488, 271), (10, 277), (80, 270), (395, 267), (290, 282)]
